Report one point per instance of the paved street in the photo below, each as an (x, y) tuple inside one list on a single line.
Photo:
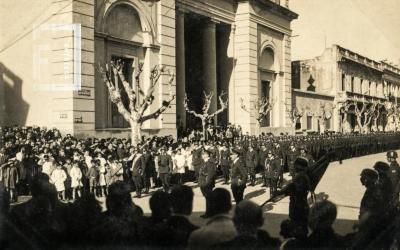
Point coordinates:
[(340, 184)]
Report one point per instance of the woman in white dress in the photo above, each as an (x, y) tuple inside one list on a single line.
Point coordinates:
[(58, 177), (179, 165), (102, 180), (76, 175)]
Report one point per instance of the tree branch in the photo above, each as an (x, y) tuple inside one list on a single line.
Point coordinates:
[(115, 95)]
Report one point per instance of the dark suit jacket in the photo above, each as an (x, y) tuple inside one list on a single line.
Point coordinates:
[(138, 165), (207, 174), (272, 168), (239, 173)]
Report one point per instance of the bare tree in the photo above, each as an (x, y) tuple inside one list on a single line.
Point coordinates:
[(204, 116), (139, 100), (323, 113), (262, 106), (364, 114), (390, 113), (295, 113), (377, 106), (345, 110)]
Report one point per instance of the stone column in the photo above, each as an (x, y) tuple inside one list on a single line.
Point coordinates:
[(210, 64), (180, 69)]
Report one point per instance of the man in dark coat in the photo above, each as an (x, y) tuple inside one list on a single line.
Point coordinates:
[(251, 162), (224, 162), (207, 174), (291, 157), (239, 176), (394, 174), (298, 191), (196, 160), (262, 155), (148, 170), (272, 171), (137, 168), (164, 168), (371, 210)]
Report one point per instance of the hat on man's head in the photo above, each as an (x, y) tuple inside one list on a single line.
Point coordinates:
[(236, 151), (391, 154)]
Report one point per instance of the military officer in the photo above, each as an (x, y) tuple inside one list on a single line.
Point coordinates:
[(207, 174), (291, 157), (262, 155), (164, 168), (251, 162), (224, 162), (394, 172), (138, 166), (239, 176), (196, 160), (272, 171)]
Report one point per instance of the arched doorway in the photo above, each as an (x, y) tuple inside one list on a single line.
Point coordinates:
[(121, 38), (267, 78)]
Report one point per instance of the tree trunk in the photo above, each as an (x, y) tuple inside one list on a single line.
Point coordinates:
[(135, 132), (321, 127), (203, 125)]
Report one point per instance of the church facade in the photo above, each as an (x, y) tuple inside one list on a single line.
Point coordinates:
[(50, 73)]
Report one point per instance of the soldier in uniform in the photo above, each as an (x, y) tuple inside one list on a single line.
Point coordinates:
[(306, 155), (251, 162), (384, 185), (394, 174), (224, 162), (137, 168), (262, 155), (239, 176), (207, 175), (272, 171), (196, 160), (164, 168), (291, 157)]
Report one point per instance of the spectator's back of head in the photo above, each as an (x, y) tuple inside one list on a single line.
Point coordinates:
[(119, 198), (220, 201), (182, 199), (322, 215), (381, 167), (160, 205), (248, 216)]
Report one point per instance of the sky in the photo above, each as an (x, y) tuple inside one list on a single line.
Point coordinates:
[(368, 27)]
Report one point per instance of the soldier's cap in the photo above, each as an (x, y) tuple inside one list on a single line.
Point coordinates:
[(381, 166), (269, 151), (235, 151), (301, 163), (302, 147), (391, 154), (369, 173)]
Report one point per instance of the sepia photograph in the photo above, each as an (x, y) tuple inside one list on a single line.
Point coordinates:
[(199, 124)]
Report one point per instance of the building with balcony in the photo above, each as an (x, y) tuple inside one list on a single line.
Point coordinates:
[(338, 78), (49, 58)]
